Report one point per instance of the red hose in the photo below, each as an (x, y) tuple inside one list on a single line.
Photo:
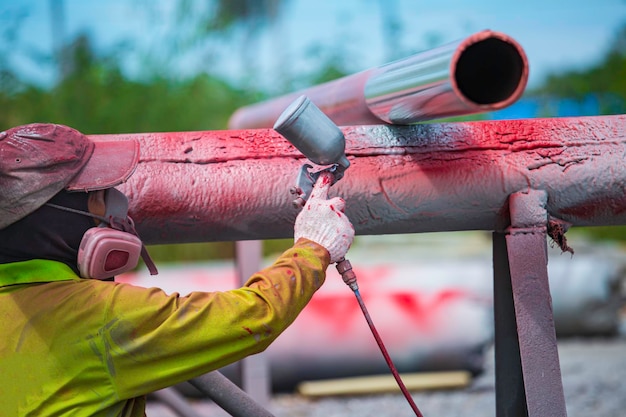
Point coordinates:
[(349, 277)]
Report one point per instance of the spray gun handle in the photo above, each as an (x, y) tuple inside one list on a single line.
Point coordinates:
[(307, 179)]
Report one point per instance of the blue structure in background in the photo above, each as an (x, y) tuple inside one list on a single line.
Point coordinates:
[(526, 108)]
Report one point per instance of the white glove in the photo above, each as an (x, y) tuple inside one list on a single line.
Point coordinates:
[(324, 222)]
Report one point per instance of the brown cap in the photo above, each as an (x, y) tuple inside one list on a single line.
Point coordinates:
[(39, 160)]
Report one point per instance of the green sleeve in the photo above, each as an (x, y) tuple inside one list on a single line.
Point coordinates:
[(153, 340)]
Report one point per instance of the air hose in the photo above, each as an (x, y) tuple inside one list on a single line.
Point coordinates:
[(349, 277)]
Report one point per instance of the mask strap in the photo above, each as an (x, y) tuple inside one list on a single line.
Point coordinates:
[(76, 211), (125, 225)]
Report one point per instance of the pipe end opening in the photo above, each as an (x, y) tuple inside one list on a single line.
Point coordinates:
[(490, 71)]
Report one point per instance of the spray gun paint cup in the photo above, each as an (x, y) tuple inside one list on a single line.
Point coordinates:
[(313, 133)]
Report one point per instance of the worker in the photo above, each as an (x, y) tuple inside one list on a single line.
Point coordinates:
[(75, 342)]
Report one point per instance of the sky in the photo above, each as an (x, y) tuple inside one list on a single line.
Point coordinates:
[(555, 34)]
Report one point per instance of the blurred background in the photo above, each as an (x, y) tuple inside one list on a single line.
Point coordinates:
[(124, 66)]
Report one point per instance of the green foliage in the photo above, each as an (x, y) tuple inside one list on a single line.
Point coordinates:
[(188, 252), (95, 97), (606, 81), (251, 13), (603, 233)]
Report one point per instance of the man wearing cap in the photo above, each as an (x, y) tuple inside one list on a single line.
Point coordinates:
[(76, 343)]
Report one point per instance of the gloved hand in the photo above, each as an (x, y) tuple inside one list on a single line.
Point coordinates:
[(324, 222)]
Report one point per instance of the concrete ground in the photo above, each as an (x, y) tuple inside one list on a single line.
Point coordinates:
[(593, 370)]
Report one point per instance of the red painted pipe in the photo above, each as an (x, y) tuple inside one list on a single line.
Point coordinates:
[(234, 185), (484, 72)]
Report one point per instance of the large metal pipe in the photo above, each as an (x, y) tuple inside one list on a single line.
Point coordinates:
[(234, 185), (484, 72)]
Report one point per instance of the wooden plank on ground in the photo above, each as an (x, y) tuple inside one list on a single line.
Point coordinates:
[(378, 384)]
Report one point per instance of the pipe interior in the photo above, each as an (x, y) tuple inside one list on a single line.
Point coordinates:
[(489, 71)]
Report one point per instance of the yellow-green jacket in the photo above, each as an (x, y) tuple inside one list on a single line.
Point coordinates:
[(78, 347)]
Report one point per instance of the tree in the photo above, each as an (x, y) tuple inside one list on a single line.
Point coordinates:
[(96, 97), (605, 81), (228, 19)]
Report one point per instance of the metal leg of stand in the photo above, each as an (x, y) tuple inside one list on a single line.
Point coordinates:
[(254, 370), (228, 395), (176, 402), (528, 374), (510, 396)]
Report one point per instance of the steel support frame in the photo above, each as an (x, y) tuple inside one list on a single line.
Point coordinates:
[(527, 371), (254, 370)]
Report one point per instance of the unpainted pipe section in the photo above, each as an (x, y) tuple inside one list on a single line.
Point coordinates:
[(234, 185), (484, 72), (229, 396)]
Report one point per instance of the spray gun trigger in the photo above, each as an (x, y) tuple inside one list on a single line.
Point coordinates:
[(304, 186), (307, 179)]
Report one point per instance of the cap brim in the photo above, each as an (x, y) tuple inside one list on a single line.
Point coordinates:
[(111, 164)]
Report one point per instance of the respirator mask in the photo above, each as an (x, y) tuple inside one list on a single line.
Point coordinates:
[(112, 247)]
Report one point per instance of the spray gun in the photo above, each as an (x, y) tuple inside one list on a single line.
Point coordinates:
[(319, 139)]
